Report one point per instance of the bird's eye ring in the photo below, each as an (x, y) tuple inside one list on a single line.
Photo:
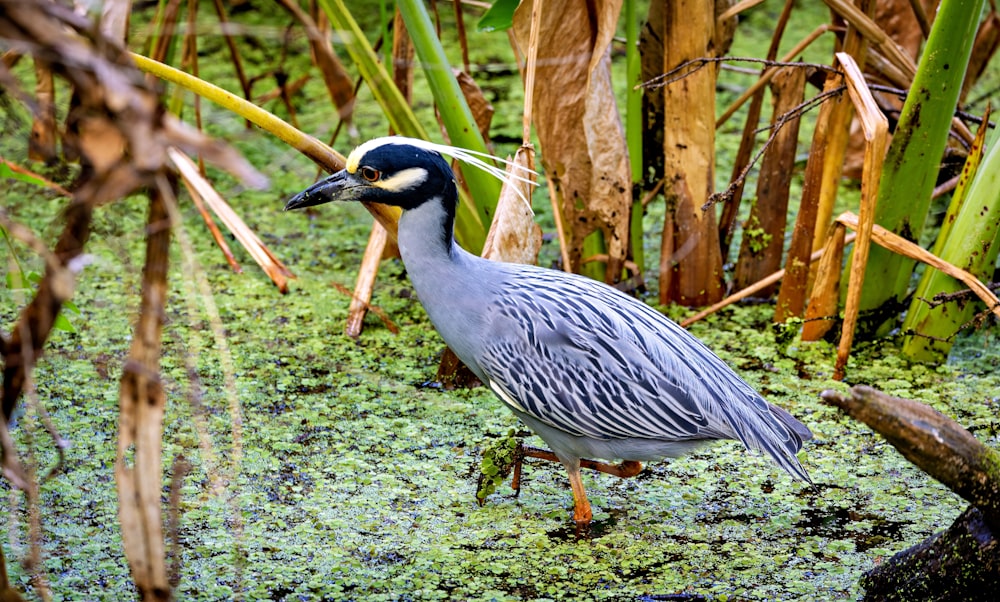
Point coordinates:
[(369, 173)]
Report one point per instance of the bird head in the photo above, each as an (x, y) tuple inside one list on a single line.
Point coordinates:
[(394, 171), (405, 172)]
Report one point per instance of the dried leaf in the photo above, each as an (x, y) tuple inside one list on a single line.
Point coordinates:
[(514, 236), (578, 125), (482, 110)]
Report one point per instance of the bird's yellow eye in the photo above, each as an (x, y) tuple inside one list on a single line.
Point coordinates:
[(369, 173)]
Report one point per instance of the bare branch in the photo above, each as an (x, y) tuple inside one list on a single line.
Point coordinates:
[(689, 67)]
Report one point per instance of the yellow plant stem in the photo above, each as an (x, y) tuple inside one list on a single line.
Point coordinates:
[(320, 153)]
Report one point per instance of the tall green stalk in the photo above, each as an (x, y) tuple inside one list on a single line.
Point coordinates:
[(388, 96), (470, 223), (911, 165), (972, 243), (455, 113), (633, 125)]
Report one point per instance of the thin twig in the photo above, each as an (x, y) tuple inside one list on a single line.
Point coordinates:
[(378, 311), (692, 66), (962, 295), (902, 94), (779, 123)]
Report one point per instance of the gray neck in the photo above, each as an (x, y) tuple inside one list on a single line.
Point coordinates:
[(425, 234), (450, 282)]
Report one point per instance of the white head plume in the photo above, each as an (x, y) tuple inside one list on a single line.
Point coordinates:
[(474, 158)]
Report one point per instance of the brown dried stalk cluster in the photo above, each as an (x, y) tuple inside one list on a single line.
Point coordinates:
[(119, 131)]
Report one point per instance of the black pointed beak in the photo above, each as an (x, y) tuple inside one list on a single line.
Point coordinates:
[(340, 186)]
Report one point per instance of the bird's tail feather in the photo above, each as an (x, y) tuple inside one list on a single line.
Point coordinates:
[(786, 440), (777, 434)]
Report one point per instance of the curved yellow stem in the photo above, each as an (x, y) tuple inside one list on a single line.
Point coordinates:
[(320, 153)]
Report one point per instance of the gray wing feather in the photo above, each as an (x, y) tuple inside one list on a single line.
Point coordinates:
[(590, 361)]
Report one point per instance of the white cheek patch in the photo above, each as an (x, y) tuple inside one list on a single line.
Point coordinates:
[(403, 180)]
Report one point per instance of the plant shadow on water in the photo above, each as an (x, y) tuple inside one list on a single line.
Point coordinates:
[(835, 523)]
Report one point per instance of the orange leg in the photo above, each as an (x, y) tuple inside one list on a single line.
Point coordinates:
[(581, 506), (628, 468)]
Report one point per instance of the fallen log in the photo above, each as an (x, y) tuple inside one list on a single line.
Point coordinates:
[(963, 562)]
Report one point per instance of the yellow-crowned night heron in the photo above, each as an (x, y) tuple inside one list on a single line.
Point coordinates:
[(592, 371)]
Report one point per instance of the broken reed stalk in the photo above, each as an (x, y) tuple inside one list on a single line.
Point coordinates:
[(839, 130), (819, 187), (365, 284), (199, 186), (792, 295), (825, 296), (217, 236), (462, 37), (727, 220), (833, 165), (876, 131), (750, 290), (901, 246), (142, 399), (694, 276), (530, 63), (763, 233)]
